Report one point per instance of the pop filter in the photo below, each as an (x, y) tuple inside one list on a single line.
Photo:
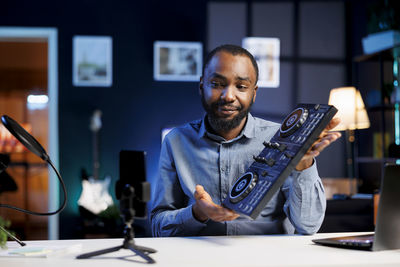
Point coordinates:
[(24, 137), (33, 145)]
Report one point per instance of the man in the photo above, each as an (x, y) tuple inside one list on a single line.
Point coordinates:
[(201, 160)]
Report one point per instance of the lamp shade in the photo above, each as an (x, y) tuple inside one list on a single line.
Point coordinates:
[(351, 109)]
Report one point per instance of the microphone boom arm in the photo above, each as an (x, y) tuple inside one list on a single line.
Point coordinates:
[(34, 146)]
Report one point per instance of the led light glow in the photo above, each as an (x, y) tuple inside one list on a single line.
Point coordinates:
[(38, 99)]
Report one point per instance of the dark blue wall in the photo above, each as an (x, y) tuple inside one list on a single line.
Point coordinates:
[(135, 108)]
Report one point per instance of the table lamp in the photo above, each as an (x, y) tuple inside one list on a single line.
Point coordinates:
[(352, 113)]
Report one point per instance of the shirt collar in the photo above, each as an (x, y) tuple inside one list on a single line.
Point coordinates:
[(248, 130)]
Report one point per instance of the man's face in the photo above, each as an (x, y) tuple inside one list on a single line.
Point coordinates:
[(228, 90)]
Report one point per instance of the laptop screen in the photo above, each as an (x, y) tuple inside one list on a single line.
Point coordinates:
[(387, 230)]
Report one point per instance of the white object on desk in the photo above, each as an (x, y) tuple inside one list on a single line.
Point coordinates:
[(41, 251)]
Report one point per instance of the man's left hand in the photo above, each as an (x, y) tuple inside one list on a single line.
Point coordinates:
[(324, 140)]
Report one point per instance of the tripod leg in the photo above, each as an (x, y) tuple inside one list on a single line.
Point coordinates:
[(98, 252), (145, 249), (142, 253)]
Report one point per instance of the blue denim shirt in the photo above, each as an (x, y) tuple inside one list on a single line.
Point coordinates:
[(191, 155)]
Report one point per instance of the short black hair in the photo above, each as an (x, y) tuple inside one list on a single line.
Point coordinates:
[(233, 50)]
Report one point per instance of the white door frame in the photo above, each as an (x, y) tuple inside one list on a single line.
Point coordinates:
[(49, 35)]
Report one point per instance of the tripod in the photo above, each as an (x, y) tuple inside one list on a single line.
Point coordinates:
[(127, 214)]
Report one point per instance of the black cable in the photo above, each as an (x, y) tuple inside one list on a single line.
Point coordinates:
[(44, 213)]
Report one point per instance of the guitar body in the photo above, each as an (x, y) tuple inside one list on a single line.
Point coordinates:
[(95, 196)]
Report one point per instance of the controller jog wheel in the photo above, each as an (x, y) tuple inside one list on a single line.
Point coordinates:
[(243, 187), (293, 121)]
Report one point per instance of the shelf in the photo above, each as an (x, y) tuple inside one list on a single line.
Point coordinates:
[(370, 169), (376, 160), (384, 55), (27, 164), (386, 107)]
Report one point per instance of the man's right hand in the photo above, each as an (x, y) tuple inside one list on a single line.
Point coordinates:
[(205, 208)]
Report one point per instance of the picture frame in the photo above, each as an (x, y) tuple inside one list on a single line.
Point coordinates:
[(266, 52), (92, 61), (177, 61)]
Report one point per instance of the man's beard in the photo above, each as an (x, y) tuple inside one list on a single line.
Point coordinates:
[(220, 124)]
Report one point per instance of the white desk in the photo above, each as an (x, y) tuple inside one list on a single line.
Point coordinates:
[(214, 251)]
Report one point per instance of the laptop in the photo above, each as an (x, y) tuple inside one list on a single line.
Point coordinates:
[(387, 229)]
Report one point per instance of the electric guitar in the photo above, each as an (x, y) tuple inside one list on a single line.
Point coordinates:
[(95, 196)]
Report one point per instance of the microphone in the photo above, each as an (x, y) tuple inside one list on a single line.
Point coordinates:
[(35, 147)]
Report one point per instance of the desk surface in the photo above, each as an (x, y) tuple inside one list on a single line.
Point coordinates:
[(214, 251)]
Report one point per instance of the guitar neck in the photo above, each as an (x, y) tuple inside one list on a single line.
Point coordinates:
[(95, 126), (96, 162)]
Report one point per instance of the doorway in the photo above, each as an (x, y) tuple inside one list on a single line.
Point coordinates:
[(29, 69)]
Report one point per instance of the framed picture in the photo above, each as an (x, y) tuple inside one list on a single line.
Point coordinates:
[(266, 52), (92, 61), (177, 61)]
